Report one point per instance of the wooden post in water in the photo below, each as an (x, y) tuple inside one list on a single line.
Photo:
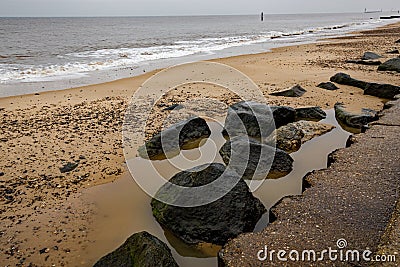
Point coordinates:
[(262, 16)]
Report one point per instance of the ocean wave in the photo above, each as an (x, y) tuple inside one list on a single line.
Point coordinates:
[(82, 63)]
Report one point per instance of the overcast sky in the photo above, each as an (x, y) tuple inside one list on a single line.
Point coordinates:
[(184, 7)]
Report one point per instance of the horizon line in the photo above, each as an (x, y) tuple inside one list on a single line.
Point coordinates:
[(178, 15)]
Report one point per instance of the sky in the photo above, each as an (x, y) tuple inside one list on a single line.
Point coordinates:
[(55, 8)]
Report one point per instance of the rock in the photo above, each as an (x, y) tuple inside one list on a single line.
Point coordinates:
[(236, 212), (290, 137), (173, 107), (387, 105), (382, 90), (398, 41), (395, 51), (283, 115), (353, 120), (310, 113), (374, 89), (245, 118), (370, 55), (295, 91), (273, 164), (141, 249), (170, 141), (365, 62), (68, 167), (390, 65), (342, 78), (328, 86), (2, 174)]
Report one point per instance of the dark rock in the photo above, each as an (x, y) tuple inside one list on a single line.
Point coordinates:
[(374, 89), (173, 107), (290, 137), (328, 86), (387, 105), (342, 78), (382, 90), (249, 118), (264, 161), (397, 42), (1, 173), (295, 91), (390, 65), (351, 140), (370, 55), (68, 167), (170, 141), (365, 62), (236, 212), (141, 249), (310, 113), (395, 51), (283, 115), (353, 120)]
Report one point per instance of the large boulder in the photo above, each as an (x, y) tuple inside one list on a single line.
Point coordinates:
[(249, 118), (170, 141), (290, 137), (258, 161), (328, 86), (236, 212), (295, 91), (382, 90), (390, 65), (310, 113), (343, 78), (141, 249), (374, 89), (354, 120), (370, 56), (283, 115), (256, 119)]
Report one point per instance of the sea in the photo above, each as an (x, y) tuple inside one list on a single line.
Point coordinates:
[(41, 54)]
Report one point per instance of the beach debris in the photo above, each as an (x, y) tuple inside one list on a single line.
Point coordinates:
[(68, 167), (295, 91), (355, 120), (170, 141), (328, 86), (395, 51), (140, 249), (370, 56), (310, 113), (390, 65), (290, 137), (265, 162), (365, 62), (375, 89), (236, 212), (44, 250)]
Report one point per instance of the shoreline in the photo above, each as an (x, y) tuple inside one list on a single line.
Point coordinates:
[(50, 119), (128, 72)]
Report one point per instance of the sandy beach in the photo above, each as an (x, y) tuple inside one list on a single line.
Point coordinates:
[(46, 220)]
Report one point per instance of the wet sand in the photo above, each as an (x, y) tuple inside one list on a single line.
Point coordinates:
[(47, 217)]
